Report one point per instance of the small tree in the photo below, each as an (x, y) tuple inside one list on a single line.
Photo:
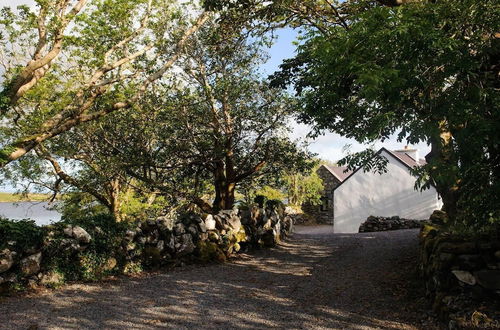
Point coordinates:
[(225, 128)]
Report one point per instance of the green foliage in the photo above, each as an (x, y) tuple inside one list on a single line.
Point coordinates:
[(94, 262), (304, 188), (425, 70), (270, 193), (25, 233)]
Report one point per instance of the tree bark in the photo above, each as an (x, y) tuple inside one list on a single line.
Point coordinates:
[(442, 156)]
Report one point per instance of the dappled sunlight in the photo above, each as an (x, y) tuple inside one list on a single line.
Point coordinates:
[(318, 281)]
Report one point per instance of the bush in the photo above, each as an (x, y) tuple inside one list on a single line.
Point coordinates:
[(96, 260), (25, 233)]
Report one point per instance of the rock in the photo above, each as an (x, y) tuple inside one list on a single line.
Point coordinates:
[(160, 245), (464, 276), (129, 235), (6, 260), (210, 222), (192, 230), (31, 265), (179, 229), (187, 245), (68, 231), (489, 279), (69, 244), (81, 235), (170, 244), (77, 233), (51, 278), (203, 227), (166, 223), (235, 223)]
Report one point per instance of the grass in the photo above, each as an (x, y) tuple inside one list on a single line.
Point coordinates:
[(13, 198)]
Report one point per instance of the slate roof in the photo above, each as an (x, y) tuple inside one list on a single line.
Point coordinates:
[(405, 158), (341, 172), (338, 172)]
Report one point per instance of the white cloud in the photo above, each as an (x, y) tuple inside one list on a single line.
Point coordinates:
[(15, 3), (330, 146)]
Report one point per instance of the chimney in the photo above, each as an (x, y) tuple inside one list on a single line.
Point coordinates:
[(413, 153)]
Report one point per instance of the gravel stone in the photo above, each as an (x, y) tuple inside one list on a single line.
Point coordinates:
[(313, 280)]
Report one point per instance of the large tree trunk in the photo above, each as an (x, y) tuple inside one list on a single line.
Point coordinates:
[(441, 157), (224, 195), (114, 200)]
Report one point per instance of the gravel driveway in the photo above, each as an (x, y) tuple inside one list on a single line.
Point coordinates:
[(316, 279)]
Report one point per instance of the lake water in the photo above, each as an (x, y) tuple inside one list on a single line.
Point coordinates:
[(38, 211)]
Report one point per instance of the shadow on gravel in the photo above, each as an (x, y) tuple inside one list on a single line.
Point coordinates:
[(313, 280)]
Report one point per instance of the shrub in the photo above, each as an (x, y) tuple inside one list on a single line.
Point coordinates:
[(25, 233)]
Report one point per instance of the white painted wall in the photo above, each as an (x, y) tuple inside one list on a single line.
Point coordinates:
[(388, 194)]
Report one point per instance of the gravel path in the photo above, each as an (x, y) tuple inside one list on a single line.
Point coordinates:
[(316, 279)]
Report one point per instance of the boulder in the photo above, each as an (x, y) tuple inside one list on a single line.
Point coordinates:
[(187, 246), (6, 260), (235, 223), (464, 276), (179, 229), (210, 222), (31, 265), (160, 245), (77, 233), (192, 229), (203, 227), (166, 223)]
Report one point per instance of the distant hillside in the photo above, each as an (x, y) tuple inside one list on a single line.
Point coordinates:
[(10, 197)]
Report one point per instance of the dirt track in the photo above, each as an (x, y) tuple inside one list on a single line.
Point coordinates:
[(316, 279)]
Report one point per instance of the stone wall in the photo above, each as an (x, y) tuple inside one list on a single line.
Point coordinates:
[(70, 252), (323, 214), (373, 223), (462, 278)]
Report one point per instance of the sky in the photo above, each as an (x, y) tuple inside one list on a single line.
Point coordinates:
[(329, 146)]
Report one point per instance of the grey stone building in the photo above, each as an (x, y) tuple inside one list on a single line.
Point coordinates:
[(332, 176)]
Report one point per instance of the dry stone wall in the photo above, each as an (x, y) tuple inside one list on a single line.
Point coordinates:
[(373, 223), (462, 277), (75, 253)]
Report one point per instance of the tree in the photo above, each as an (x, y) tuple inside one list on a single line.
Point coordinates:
[(304, 188), (223, 128), (107, 58), (428, 70)]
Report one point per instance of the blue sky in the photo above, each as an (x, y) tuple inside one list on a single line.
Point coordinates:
[(329, 146)]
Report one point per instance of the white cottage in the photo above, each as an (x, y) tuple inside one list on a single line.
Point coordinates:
[(358, 194)]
